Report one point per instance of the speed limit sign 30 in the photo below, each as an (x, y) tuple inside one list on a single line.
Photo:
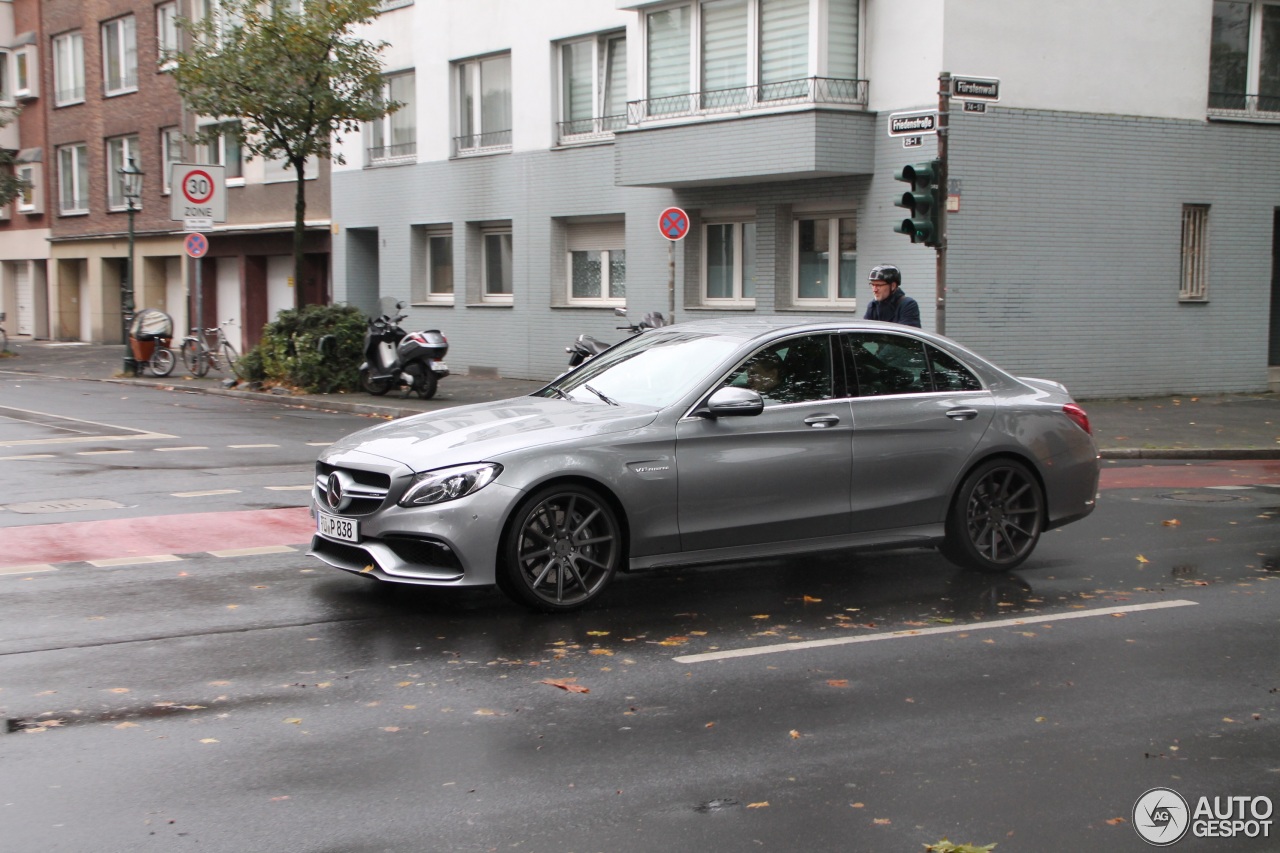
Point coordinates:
[(199, 192)]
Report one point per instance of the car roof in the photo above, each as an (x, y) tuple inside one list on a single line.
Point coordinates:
[(749, 328)]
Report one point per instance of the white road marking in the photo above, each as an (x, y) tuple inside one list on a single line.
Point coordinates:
[(134, 561), (928, 632), (1230, 488), (28, 456), (251, 552), (29, 569), (288, 488), (244, 446), (172, 449), (205, 494), (99, 452), (319, 443)]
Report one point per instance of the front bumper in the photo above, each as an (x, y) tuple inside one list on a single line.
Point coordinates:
[(449, 544)]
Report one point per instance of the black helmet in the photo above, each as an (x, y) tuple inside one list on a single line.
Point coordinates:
[(886, 272)]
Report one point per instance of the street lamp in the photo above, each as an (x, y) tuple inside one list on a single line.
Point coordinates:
[(131, 182)]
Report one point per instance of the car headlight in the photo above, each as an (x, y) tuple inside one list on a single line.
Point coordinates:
[(446, 484)]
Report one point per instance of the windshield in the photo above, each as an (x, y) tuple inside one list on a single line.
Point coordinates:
[(651, 369)]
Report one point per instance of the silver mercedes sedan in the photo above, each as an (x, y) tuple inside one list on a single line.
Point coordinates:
[(713, 441)]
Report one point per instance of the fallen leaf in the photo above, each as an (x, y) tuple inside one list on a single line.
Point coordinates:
[(209, 740), (1142, 559), (597, 633), (882, 821), (367, 569), (293, 720), (857, 805), (606, 652), (761, 616), (118, 690), (485, 712), (763, 805), (1116, 821), (403, 683), (837, 682), (392, 729), (809, 599), (126, 725), (53, 724), (673, 641), (566, 684), (1172, 522), (795, 734), (709, 726)]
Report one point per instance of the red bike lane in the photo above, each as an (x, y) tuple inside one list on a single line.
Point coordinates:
[(164, 535)]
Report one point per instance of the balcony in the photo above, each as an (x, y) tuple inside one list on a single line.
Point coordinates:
[(824, 91), (387, 155), (588, 129), (472, 144), (1231, 105), (813, 127)]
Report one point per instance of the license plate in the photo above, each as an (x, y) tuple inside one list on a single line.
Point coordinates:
[(439, 367), (333, 527)]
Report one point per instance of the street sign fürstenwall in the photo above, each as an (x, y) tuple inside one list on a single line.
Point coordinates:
[(975, 88), (913, 123)]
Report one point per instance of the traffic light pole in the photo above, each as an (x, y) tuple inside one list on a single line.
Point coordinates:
[(944, 104)]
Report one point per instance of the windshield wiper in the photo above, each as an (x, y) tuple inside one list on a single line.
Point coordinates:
[(560, 392), (601, 396)]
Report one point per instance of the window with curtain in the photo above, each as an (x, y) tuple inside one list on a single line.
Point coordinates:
[(784, 47), (826, 259), (593, 85), (597, 262), (669, 34), (728, 257), (68, 69), (724, 45), (120, 56), (484, 103), (73, 179), (395, 136)]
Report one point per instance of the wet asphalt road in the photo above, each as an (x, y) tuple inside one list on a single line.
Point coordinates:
[(265, 702)]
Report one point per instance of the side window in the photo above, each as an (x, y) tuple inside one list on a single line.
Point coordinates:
[(889, 364), (796, 370), (949, 374)]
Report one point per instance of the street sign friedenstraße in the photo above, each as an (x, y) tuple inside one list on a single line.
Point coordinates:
[(199, 192), (975, 88), (913, 123)]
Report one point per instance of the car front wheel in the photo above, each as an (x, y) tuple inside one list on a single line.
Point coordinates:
[(560, 551), (996, 517)]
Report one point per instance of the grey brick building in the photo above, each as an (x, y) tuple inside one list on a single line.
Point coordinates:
[(1115, 218)]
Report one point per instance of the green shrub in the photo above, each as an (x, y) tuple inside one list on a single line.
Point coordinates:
[(316, 349)]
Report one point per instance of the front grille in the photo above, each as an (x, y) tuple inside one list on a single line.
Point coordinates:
[(347, 556), (366, 493)]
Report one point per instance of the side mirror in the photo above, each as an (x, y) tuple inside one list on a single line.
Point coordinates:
[(619, 312), (400, 305), (731, 402)]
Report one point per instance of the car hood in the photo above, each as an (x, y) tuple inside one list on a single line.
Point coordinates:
[(484, 432)]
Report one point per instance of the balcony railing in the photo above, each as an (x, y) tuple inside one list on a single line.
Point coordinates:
[(1244, 106), (805, 90), (482, 143), (587, 129), (401, 153)]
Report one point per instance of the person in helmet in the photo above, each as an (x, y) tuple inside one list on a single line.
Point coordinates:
[(890, 303)]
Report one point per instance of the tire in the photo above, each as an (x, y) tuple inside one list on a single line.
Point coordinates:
[(4, 341), (427, 389), (233, 359), (996, 517), (376, 387), (561, 549), (162, 361), (197, 363)]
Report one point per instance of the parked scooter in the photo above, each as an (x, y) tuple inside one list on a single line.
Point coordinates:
[(586, 346), (394, 358)]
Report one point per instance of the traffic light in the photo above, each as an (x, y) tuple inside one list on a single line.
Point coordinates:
[(924, 201)]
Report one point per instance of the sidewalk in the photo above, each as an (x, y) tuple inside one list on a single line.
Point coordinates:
[(1228, 426)]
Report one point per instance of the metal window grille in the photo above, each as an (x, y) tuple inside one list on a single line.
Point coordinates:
[(1195, 253)]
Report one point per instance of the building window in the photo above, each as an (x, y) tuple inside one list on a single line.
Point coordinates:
[(1244, 60), (73, 179), (167, 34), (120, 56), (593, 87), (171, 153), (484, 105), (68, 69), (24, 75), (495, 268), (27, 197), (394, 138), (432, 281), (728, 262), (826, 260), (1195, 253), (6, 95), (727, 55), (596, 262), (222, 148), (120, 151)]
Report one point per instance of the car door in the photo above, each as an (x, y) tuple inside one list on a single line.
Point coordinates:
[(777, 476), (918, 415)]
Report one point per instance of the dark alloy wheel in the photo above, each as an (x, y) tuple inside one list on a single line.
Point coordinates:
[(376, 387), (996, 518), (561, 549)]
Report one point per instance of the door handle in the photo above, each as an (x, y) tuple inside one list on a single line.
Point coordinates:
[(824, 421), (962, 414)]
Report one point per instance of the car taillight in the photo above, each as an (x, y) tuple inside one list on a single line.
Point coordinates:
[(1078, 415)]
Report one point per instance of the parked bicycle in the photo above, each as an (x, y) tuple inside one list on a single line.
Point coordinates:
[(200, 357)]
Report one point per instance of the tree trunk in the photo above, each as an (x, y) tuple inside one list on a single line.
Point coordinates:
[(299, 232)]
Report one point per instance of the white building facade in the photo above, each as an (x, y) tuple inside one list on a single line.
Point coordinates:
[(1115, 214)]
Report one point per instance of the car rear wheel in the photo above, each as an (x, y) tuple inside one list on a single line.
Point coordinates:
[(996, 518), (561, 549)]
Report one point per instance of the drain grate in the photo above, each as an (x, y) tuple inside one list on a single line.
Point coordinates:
[(1204, 497), (82, 505)]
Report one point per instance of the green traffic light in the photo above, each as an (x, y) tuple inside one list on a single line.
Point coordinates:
[(924, 202)]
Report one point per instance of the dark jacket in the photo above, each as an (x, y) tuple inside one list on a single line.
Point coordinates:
[(898, 308)]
